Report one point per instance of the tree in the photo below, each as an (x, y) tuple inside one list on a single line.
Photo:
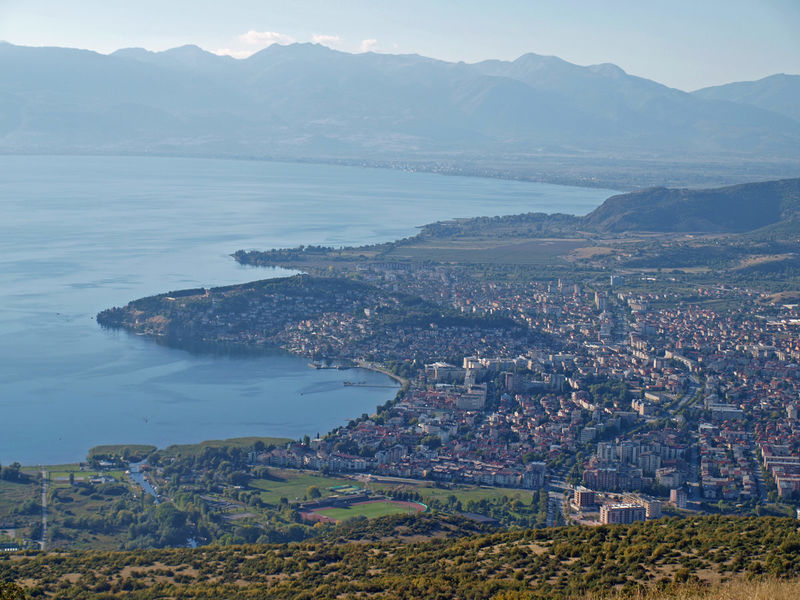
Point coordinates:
[(11, 591), (240, 478), (12, 472), (313, 492), (431, 441), (169, 516)]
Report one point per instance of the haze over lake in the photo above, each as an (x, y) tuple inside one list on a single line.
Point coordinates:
[(80, 234)]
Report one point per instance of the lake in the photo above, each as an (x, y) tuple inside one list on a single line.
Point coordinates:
[(79, 234)]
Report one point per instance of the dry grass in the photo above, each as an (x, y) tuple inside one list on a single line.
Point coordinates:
[(787, 297), (733, 590), (760, 259), (588, 252)]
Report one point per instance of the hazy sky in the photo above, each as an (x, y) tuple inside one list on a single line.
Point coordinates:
[(683, 43)]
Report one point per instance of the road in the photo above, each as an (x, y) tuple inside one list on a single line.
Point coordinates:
[(760, 483), (43, 542), (690, 393), (556, 489)]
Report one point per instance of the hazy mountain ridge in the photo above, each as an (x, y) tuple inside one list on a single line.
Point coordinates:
[(779, 93), (307, 100)]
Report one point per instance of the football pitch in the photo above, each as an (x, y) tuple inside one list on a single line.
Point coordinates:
[(371, 509)]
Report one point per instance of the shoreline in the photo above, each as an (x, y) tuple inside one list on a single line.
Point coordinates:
[(430, 168), (217, 350), (403, 384), (716, 171), (378, 369)]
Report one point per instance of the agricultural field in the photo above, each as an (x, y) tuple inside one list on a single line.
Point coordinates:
[(61, 473), (20, 506), (490, 250)]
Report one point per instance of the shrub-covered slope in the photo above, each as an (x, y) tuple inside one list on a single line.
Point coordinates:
[(545, 563)]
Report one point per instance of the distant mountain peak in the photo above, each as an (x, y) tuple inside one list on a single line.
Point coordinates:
[(531, 59), (187, 56), (132, 52), (186, 49), (305, 48), (779, 93), (607, 69)]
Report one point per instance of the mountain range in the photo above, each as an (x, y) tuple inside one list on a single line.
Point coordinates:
[(309, 101)]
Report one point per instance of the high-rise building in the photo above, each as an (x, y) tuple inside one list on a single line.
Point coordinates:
[(584, 497), (622, 513), (652, 506), (678, 497)]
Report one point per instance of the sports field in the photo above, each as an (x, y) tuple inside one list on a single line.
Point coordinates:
[(370, 509)]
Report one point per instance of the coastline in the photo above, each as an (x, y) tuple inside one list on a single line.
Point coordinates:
[(378, 369), (162, 370), (432, 166), (592, 172)]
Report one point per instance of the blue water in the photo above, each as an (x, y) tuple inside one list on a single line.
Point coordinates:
[(80, 234), (138, 476)]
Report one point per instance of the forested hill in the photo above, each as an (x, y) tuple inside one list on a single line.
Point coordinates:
[(774, 205), (568, 562), (732, 209)]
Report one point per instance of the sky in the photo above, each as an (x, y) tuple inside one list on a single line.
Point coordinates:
[(687, 44)]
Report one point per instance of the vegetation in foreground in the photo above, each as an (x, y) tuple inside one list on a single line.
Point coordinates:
[(738, 589), (565, 562)]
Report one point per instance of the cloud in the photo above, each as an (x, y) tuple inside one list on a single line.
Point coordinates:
[(253, 41), (369, 45), (234, 53), (263, 39), (332, 41)]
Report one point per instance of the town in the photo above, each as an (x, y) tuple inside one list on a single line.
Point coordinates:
[(615, 394)]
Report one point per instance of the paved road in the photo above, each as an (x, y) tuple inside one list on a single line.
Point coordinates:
[(760, 483), (556, 490), (690, 393), (43, 542)]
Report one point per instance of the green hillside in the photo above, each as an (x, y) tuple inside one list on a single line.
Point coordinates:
[(732, 209)]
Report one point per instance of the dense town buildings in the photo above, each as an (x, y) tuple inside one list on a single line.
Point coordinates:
[(499, 418), (634, 387)]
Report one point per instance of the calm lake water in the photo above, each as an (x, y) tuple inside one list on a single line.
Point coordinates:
[(80, 234)]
